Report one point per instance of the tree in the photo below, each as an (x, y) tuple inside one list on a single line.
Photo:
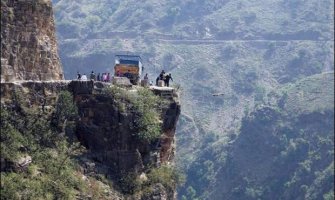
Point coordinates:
[(65, 109)]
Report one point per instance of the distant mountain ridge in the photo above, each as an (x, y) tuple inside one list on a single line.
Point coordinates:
[(219, 19)]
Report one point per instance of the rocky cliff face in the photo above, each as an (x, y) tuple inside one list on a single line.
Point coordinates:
[(28, 42), (102, 127), (106, 130), (109, 132)]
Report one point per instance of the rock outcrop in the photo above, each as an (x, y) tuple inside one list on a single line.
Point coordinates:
[(35, 93), (108, 131), (28, 42)]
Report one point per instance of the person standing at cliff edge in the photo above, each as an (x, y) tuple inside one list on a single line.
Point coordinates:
[(78, 76), (108, 78), (162, 75), (84, 77), (98, 77), (167, 79), (104, 77), (92, 76)]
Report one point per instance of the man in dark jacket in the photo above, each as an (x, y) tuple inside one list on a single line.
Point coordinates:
[(78, 76), (92, 76), (167, 79), (157, 79), (98, 77), (161, 75)]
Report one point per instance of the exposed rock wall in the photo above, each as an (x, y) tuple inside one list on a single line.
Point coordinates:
[(108, 131), (102, 127), (32, 93), (28, 42)]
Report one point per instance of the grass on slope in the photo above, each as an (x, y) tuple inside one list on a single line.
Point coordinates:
[(314, 93), (53, 172)]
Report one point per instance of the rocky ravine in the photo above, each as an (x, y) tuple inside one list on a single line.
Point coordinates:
[(28, 42)]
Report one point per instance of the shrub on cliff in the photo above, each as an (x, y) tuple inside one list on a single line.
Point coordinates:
[(65, 108), (146, 107), (166, 176), (130, 183), (52, 171), (11, 138)]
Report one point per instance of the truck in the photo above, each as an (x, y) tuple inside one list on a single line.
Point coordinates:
[(129, 66)]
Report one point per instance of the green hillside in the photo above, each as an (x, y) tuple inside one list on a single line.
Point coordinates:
[(219, 19), (311, 94), (284, 149)]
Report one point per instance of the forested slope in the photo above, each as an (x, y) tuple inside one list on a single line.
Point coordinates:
[(284, 150)]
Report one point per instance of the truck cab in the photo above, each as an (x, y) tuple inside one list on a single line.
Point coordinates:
[(129, 66)]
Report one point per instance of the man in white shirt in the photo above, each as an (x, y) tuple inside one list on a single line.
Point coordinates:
[(84, 77)]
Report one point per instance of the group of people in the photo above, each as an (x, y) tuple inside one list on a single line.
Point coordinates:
[(164, 77), (105, 77)]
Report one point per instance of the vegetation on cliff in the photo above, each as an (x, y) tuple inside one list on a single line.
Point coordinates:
[(165, 176), (146, 107), (41, 157), (27, 135)]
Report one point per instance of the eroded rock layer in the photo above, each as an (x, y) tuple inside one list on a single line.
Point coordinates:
[(28, 42)]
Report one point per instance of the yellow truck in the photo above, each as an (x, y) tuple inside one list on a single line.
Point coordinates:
[(129, 66)]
